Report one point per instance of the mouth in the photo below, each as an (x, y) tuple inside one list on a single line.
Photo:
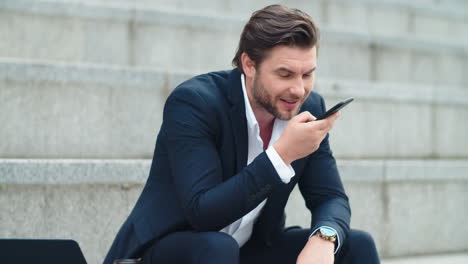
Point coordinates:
[(289, 103)]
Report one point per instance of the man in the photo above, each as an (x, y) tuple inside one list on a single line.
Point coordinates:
[(230, 150)]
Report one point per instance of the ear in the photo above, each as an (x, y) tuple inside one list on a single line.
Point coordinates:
[(248, 65)]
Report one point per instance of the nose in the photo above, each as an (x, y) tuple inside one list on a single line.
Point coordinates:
[(297, 89)]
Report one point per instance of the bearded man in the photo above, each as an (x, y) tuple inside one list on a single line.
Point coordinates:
[(231, 148)]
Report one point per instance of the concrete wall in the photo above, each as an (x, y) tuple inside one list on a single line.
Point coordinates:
[(88, 200), (59, 111), (133, 36)]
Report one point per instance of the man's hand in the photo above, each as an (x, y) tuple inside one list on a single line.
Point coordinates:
[(302, 136), (317, 251)]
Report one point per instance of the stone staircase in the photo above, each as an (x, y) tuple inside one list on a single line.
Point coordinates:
[(82, 84), (436, 259)]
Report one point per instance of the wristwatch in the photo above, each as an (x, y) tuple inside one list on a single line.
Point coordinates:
[(327, 233)]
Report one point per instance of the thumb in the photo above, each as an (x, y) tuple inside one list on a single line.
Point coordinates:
[(304, 117)]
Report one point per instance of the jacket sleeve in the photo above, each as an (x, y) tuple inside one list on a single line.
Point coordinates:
[(208, 202), (323, 191)]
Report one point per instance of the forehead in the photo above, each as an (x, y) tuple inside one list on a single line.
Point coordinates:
[(293, 58)]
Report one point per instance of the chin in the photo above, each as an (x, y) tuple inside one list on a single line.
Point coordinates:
[(287, 115)]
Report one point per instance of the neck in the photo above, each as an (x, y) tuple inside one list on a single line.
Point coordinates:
[(264, 118), (265, 124)]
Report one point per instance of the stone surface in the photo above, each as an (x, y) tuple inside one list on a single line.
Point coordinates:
[(88, 111), (127, 35), (454, 69), (68, 38), (451, 142), (433, 209), (422, 196), (194, 45), (89, 214), (81, 171), (82, 113), (88, 200), (391, 197), (344, 59), (385, 58), (430, 25), (370, 128), (74, 121), (426, 170), (436, 259), (380, 17), (348, 14), (393, 17)]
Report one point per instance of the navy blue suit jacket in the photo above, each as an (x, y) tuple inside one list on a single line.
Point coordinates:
[(199, 179)]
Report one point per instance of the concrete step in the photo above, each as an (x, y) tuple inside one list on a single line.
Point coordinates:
[(52, 110), (170, 40), (434, 259), (399, 200), (84, 110), (62, 111), (88, 200), (424, 18)]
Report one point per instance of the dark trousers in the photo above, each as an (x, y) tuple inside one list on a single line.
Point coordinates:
[(217, 247)]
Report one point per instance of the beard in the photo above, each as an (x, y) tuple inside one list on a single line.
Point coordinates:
[(263, 98)]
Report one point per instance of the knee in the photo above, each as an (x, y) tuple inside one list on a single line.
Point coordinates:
[(361, 237), (360, 248), (221, 244), (361, 241)]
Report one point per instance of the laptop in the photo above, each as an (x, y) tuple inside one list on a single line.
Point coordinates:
[(38, 251)]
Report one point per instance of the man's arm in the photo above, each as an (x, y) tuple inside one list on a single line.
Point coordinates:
[(324, 194), (209, 202)]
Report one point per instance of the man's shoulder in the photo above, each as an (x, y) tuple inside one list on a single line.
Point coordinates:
[(314, 104), (212, 84)]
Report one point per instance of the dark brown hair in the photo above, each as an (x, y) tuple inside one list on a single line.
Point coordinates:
[(272, 26)]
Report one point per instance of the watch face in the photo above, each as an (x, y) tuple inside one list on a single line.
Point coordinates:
[(327, 232)]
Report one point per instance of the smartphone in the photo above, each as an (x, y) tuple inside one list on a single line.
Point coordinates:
[(335, 109)]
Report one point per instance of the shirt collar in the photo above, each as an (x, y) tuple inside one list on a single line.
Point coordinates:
[(251, 120)]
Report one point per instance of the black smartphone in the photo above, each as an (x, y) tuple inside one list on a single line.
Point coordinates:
[(335, 109)]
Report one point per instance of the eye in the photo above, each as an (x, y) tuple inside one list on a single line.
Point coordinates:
[(308, 75), (284, 74)]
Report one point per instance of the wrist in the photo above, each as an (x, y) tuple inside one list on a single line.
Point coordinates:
[(327, 233), (317, 240), (282, 152)]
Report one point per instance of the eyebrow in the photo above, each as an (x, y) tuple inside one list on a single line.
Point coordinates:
[(292, 72)]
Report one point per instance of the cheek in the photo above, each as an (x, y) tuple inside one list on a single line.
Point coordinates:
[(281, 91), (273, 88), (309, 86)]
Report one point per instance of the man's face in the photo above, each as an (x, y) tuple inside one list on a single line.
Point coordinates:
[(284, 79)]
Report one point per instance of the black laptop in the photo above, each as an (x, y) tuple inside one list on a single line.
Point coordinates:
[(38, 251)]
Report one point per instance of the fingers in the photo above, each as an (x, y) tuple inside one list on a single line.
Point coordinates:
[(327, 123), (304, 117), (334, 116)]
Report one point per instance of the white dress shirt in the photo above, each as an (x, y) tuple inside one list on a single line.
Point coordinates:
[(241, 230)]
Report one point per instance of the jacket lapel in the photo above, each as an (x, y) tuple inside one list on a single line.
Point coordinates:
[(238, 119)]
